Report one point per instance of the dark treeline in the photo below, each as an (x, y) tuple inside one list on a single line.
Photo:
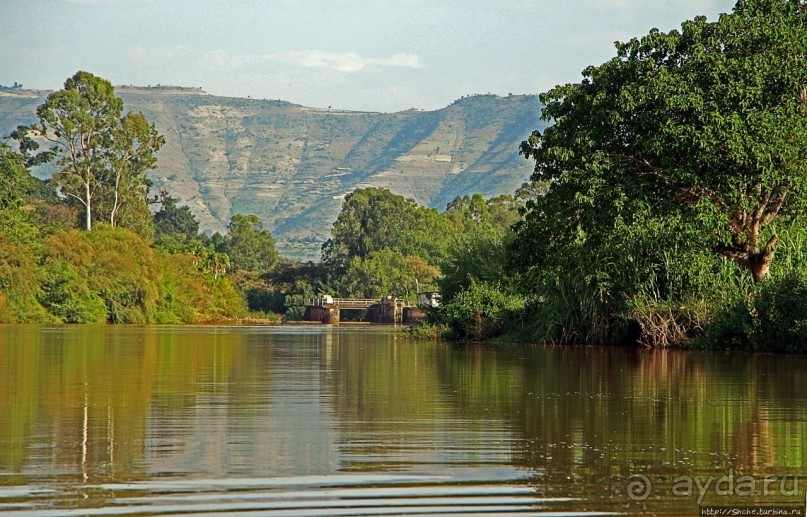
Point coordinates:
[(667, 208)]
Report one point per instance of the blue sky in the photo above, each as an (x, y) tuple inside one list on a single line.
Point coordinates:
[(349, 54)]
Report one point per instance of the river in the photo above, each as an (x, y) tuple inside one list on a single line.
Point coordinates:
[(357, 420)]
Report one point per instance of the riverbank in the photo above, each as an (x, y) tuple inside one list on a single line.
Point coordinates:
[(769, 317)]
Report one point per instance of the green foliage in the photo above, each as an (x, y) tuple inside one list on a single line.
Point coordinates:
[(288, 288), (129, 153), (666, 323), (102, 155), (426, 330), (676, 171), (781, 314), (172, 224), (480, 312), (375, 219), (477, 258), (260, 296), (20, 227), (598, 289), (119, 266), (479, 217), (226, 301), (250, 247), (67, 296), (386, 272), (184, 292), (383, 244), (112, 274), (13, 176), (18, 284), (188, 296), (124, 275), (707, 122), (770, 316), (295, 307)]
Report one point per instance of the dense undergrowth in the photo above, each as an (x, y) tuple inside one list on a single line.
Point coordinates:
[(691, 300), (107, 275)]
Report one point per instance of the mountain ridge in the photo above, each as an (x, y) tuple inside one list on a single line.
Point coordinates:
[(292, 165)]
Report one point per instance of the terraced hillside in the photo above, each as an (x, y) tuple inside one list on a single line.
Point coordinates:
[(293, 165)]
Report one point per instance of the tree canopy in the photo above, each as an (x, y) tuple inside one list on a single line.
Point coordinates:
[(250, 247), (102, 155), (174, 222), (375, 219), (708, 122)]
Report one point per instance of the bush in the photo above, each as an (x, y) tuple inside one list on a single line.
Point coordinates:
[(295, 307), (770, 316), (226, 301), (187, 295), (662, 324), (571, 307), (66, 295), (19, 284), (780, 322), (183, 293), (117, 270), (480, 312), (425, 330), (119, 267)]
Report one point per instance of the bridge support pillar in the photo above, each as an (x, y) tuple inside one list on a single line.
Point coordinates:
[(331, 316), (321, 314)]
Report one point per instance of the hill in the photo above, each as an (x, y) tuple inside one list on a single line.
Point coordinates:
[(292, 165)]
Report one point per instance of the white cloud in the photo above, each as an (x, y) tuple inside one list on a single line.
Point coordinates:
[(347, 62)]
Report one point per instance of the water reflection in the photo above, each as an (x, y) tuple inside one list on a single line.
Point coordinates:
[(99, 407)]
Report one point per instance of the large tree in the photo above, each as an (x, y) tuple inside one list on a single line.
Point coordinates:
[(173, 221), (375, 219), (102, 154), (707, 122), (250, 247), (128, 156)]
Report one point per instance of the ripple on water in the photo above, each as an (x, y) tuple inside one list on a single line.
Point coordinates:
[(301, 496)]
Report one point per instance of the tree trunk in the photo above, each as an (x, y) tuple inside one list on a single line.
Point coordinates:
[(88, 206), (752, 257), (115, 204), (759, 264)]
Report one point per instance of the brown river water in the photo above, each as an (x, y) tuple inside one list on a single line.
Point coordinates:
[(357, 420)]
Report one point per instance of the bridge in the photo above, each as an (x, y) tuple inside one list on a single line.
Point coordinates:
[(342, 303), (388, 309)]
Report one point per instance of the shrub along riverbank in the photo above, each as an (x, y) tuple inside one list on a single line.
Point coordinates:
[(107, 275)]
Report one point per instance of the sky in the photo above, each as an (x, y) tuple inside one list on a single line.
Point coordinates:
[(366, 55)]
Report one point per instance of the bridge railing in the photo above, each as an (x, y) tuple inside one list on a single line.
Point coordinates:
[(353, 303), (342, 303)]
